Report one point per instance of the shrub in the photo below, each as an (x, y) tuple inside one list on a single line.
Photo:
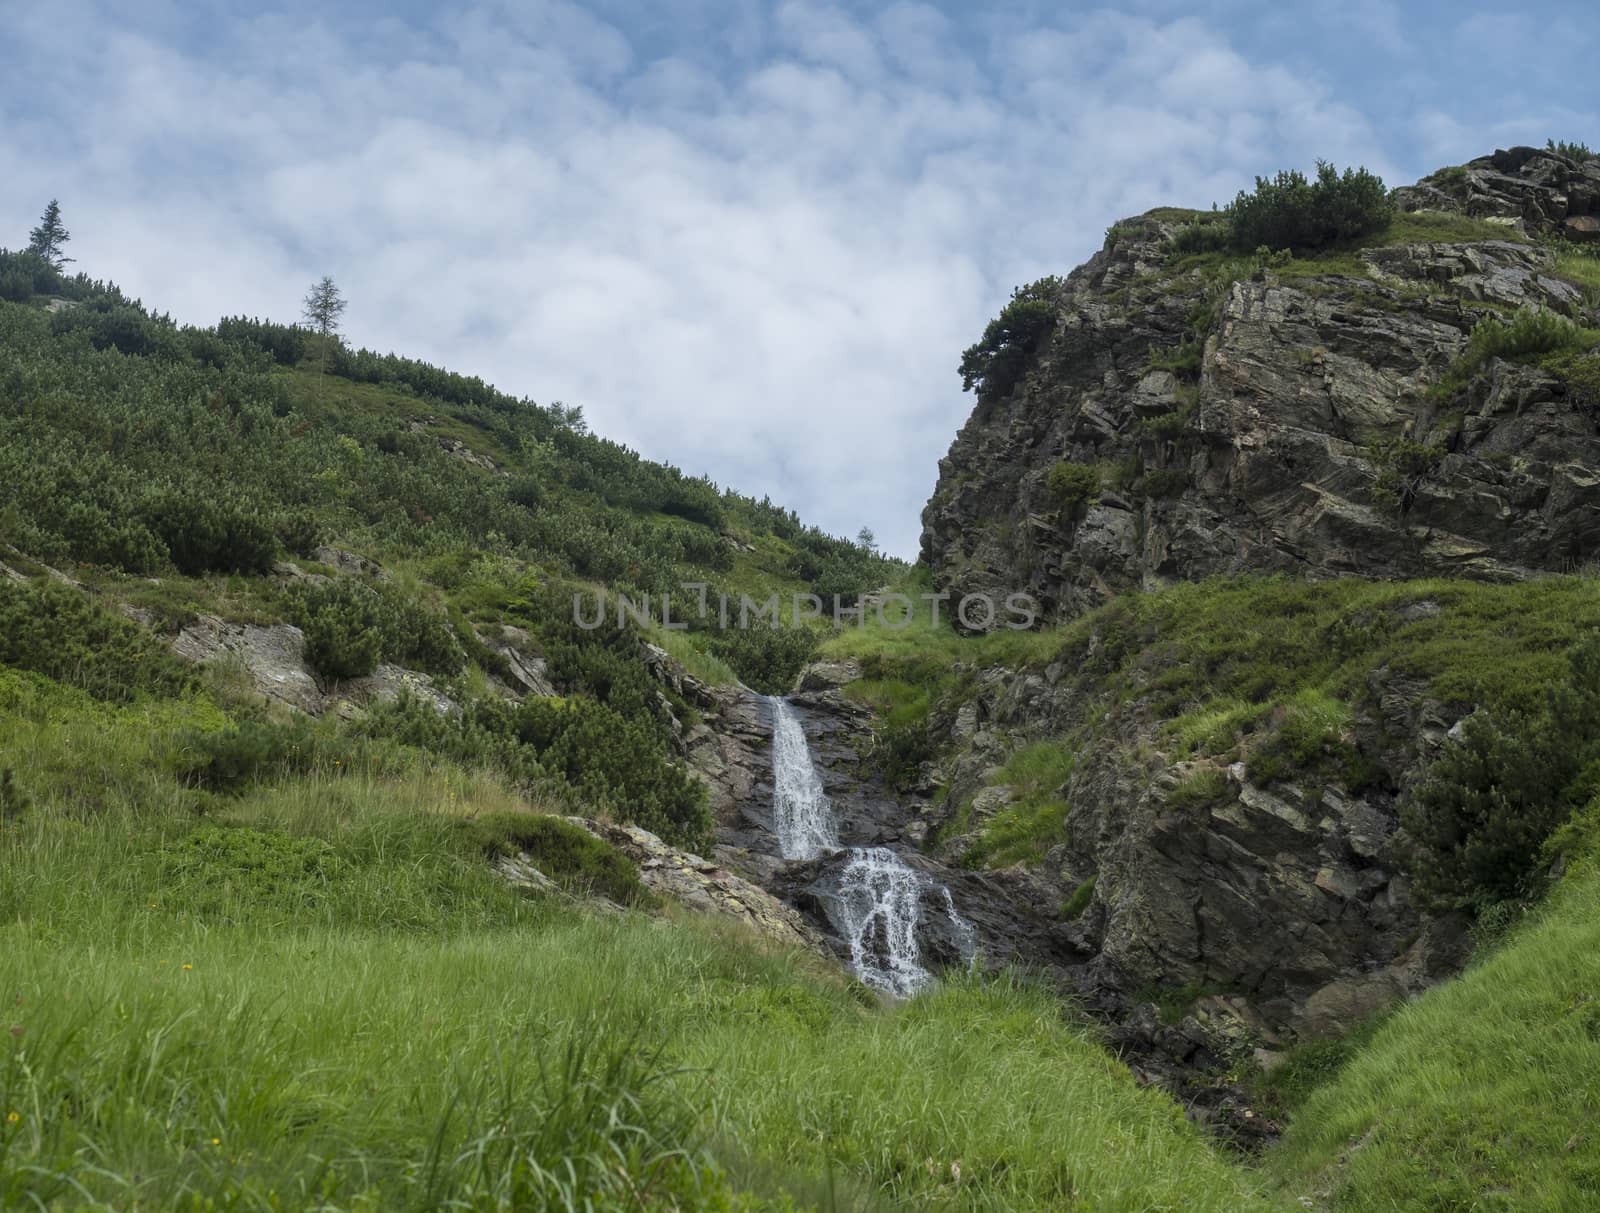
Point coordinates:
[(1580, 373), (1202, 236), (568, 854), (412, 633), (1074, 906), (1073, 484), (285, 343), (16, 285), (55, 630), (1478, 819), (766, 658), (203, 534), (350, 626), (1402, 464), (1530, 333), (1571, 150), (299, 531), (616, 763), (995, 365), (1290, 212), (342, 627), (526, 491)]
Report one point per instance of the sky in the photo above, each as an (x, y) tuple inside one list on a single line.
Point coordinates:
[(749, 238)]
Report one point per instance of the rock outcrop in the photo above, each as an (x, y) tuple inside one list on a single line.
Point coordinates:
[(703, 885), (1273, 446), (272, 658)]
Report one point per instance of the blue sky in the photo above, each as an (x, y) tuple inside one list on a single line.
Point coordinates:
[(749, 238)]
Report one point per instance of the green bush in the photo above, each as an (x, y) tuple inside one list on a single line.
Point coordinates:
[(300, 532), (1202, 236), (766, 658), (350, 626), (16, 285), (1290, 212), (1532, 333), (996, 363), (203, 534), (58, 631), (568, 854), (1571, 150), (415, 634), (616, 763), (1580, 373), (342, 627), (1402, 464), (1073, 484), (1479, 818)]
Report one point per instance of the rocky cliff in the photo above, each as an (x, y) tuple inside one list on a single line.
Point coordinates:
[(1282, 414)]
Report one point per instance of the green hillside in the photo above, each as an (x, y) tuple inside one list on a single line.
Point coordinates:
[(253, 958)]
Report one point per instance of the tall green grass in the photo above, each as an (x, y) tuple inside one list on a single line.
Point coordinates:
[(1480, 1095), (316, 994)]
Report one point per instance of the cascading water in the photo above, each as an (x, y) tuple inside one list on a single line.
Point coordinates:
[(802, 816), (878, 903)]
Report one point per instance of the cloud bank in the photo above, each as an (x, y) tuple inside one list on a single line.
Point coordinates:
[(750, 240)]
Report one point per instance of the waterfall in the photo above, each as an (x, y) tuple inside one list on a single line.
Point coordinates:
[(879, 899), (801, 814), (879, 902)]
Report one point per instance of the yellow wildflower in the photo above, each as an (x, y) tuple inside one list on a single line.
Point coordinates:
[(13, 1117), (188, 966)]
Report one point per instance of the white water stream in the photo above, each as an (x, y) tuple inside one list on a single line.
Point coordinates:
[(879, 899)]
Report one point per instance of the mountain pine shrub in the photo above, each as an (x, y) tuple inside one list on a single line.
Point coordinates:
[(996, 363), (342, 627), (1572, 150), (59, 631), (1073, 484), (1478, 819), (1290, 212)]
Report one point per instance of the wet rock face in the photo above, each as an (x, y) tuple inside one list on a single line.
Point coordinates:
[(1271, 457)]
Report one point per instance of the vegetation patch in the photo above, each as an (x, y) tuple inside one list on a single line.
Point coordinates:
[(1074, 906), (1479, 1072), (1479, 819), (568, 854), (1074, 485), (1036, 818), (57, 630), (995, 364), (1527, 335), (1200, 788), (1288, 211)]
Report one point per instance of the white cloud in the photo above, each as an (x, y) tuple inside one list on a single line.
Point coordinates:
[(767, 275)]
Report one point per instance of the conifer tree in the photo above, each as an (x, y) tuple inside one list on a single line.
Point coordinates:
[(323, 306), (46, 240)]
